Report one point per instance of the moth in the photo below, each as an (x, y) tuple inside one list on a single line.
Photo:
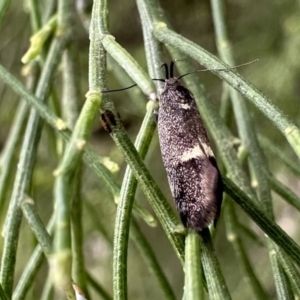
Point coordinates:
[(191, 167)]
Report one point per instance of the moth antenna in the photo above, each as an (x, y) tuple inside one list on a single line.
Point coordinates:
[(166, 70), (157, 79), (129, 87), (118, 90), (172, 74), (172, 64), (220, 69), (172, 69)]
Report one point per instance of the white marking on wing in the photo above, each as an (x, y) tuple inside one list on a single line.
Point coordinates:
[(192, 153), (185, 106), (207, 149)]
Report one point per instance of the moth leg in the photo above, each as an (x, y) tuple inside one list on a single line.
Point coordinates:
[(108, 120)]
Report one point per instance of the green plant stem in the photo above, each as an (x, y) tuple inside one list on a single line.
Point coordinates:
[(283, 288), (291, 272), (257, 214), (35, 16), (65, 10), (135, 94), (97, 54), (23, 176), (242, 117), (145, 250), (88, 114), (38, 39), (128, 63), (70, 162), (62, 241), (98, 222), (124, 207), (78, 265), (239, 250), (32, 267), (50, 9), (70, 103), (221, 135), (42, 236), (2, 294), (249, 233), (287, 194), (8, 152), (152, 46), (71, 93), (148, 254), (3, 9), (263, 103), (245, 126), (193, 286), (48, 291), (98, 288), (100, 167), (99, 21), (272, 148), (36, 225), (90, 156), (216, 285)]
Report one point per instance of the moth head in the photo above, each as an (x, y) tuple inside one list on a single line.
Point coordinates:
[(171, 83)]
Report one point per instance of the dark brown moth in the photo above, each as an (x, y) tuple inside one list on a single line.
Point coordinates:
[(192, 171)]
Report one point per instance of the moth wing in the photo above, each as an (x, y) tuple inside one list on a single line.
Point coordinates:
[(197, 189)]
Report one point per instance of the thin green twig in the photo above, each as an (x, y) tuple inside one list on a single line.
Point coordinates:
[(2, 294), (34, 263), (272, 148), (217, 288), (291, 272), (48, 290), (257, 214), (70, 109), (8, 153), (124, 207), (43, 237), (23, 177), (246, 131), (149, 256), (283, 288), (193, 286), (97, 287), (240, 251), (287, 194), (3, 8)]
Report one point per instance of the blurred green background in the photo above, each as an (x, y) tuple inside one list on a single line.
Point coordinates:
[(264, 30)]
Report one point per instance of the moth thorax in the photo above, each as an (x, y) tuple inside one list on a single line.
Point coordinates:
[(172, 83)]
